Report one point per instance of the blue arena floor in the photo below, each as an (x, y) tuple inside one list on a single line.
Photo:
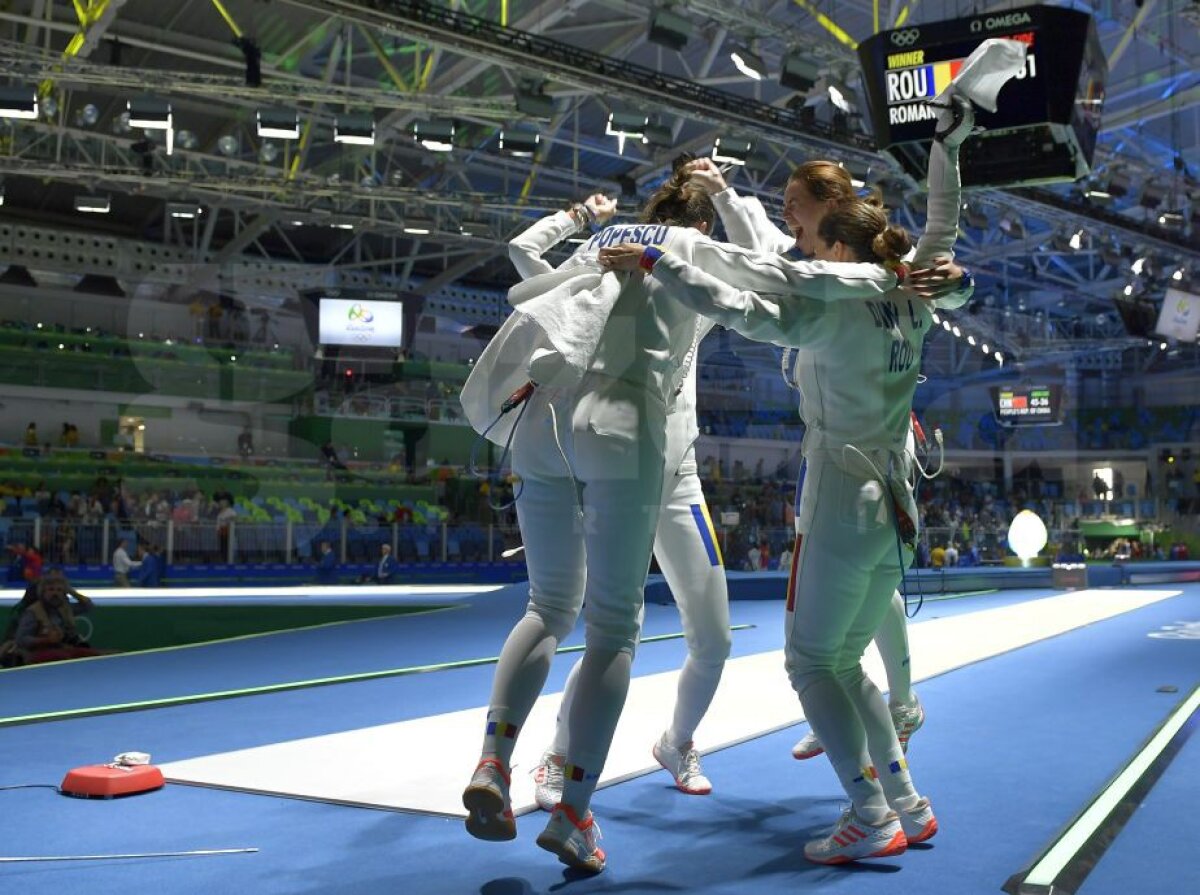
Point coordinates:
[(1013, 747)]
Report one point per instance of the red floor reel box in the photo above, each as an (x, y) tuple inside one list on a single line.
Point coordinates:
[(128, 774)]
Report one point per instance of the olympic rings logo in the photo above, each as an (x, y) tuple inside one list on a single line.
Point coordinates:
[(905, 38)]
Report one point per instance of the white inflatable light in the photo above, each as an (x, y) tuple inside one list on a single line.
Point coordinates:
[(1027, 535)]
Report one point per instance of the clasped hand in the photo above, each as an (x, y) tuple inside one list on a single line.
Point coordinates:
[(620, 257), (932, 283)]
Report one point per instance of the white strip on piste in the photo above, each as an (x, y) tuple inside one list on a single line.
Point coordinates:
[(1047, 870), (284, 594), (423, 764)]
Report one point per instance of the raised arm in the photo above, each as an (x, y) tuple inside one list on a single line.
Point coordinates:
[(747, 223), (941, 207), (936, 245), (526, 250)]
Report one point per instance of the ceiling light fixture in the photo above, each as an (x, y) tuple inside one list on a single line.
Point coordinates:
[(519, 144), (731, 151), (669, 29), (626, 124), (19, 102), (748, 63), (153, 114), (280, 124), (93, 204), (356, 130), (435, 136), (184, 210)]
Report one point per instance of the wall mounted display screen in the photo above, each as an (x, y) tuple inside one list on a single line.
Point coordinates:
[(363, 323), (1027, 405)]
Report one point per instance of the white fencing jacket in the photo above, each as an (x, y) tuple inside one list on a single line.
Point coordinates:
[(619, 340), (859, 361)]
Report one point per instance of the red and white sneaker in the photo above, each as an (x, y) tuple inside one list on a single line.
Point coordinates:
[(808, 747), (853, 839), (574, 841), (684, 765), (907, 719), (918, 822), (548, 780), (489, 811)]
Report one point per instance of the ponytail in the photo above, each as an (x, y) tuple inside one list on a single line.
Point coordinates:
[(679, 202), (865, 230), (891, 245)]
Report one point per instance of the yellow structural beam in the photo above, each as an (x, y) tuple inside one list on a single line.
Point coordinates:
[(903, 15), (89, 12), (827, 23), (382, 56), (1123, 44), (233, 26)]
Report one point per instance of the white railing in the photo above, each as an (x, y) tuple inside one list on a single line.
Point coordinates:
[(71, 542)]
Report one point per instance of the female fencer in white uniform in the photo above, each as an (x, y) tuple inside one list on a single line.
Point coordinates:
[(857, 370), (685, 546), (590, 455), (815, 188)]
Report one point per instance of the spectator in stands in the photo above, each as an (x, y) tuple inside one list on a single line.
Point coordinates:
[(31, 436), (184, 512), (386, 570), (754, 558), (785, 558), (332, 460), (1120, 548), (26, 564), (1099, 488), (214, 320), (226, 516), (150, 573), (245, 443), (327, 565), (122, 564), (46, 630), (52, 578), (937, 557), (950, 557)]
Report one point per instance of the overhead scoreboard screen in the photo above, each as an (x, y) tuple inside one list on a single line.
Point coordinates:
[(1047, 117), (913, 75), (1027, 405)]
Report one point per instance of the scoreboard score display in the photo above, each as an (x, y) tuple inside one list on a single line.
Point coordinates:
[(1045, 126), (1027, 405)]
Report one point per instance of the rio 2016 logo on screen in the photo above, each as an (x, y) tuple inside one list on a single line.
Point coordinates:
[(359, 314), (379, 324)]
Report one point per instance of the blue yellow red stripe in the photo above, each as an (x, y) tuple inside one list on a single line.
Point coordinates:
[(791, 587), (708, 534), (867, 774), (501, 729)]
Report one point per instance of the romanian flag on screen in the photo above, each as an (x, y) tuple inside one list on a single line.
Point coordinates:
[(943, 74)]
